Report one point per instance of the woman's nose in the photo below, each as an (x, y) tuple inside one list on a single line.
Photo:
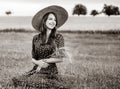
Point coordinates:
[(53, 22)]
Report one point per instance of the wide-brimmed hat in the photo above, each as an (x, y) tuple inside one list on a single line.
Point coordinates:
[(60, 12)]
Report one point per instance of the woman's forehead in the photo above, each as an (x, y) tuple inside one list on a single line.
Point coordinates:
[(51, 14)]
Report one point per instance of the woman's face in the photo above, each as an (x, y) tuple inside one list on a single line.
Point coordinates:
[(51, 21)]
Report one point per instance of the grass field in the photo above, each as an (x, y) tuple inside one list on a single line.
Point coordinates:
[(95, 58)]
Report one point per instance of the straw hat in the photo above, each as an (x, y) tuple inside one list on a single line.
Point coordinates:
[(61, 14)]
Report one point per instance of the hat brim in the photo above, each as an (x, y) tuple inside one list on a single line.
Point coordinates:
[(61, 15)]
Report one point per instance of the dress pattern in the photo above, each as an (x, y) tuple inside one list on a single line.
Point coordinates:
[(46, 78)]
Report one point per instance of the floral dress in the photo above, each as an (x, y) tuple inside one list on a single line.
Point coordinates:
[(46, 78)]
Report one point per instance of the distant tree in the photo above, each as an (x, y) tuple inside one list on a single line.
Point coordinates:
[(8, 12), (79, 9), (111, 10), (116, 10), (94, 12)]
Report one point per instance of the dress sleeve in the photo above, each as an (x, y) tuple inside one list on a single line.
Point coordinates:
[(59, 41), (60, 52)]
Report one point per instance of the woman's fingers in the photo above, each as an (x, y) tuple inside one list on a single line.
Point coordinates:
[(38, 68), (40, 63), (44, 65)]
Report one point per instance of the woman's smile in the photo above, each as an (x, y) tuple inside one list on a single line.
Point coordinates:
[(52, 24)]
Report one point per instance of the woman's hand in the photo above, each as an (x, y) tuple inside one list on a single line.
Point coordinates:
[(40, 63), (44, 65)]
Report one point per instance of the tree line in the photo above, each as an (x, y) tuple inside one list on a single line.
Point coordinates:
[(80, 9)]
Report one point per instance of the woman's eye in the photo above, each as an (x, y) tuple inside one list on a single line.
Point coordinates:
[(50, 18)]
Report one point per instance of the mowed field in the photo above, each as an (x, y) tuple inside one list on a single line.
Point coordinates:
[(73, 23), (95, 58)]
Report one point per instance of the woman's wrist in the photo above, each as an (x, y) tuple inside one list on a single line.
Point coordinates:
[(44, 60), (36, 61)]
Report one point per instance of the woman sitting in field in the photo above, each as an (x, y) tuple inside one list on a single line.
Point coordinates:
[(47, 50)]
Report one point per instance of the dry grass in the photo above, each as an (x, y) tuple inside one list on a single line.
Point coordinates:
[(95, 58)]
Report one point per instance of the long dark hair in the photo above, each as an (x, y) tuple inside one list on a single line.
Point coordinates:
[(52, 36)]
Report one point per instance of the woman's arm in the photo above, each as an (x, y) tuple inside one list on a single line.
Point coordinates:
[(53, 60), (40, 63), (46, 61)]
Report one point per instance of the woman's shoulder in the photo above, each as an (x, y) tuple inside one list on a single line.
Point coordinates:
[(36, 36), (58, 35)]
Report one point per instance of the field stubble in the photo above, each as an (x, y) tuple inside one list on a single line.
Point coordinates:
[(95, 58)]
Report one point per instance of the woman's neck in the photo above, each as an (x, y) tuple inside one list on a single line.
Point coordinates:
[(48, 34)]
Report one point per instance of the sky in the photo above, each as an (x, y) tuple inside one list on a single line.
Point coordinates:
[(30, 7)]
